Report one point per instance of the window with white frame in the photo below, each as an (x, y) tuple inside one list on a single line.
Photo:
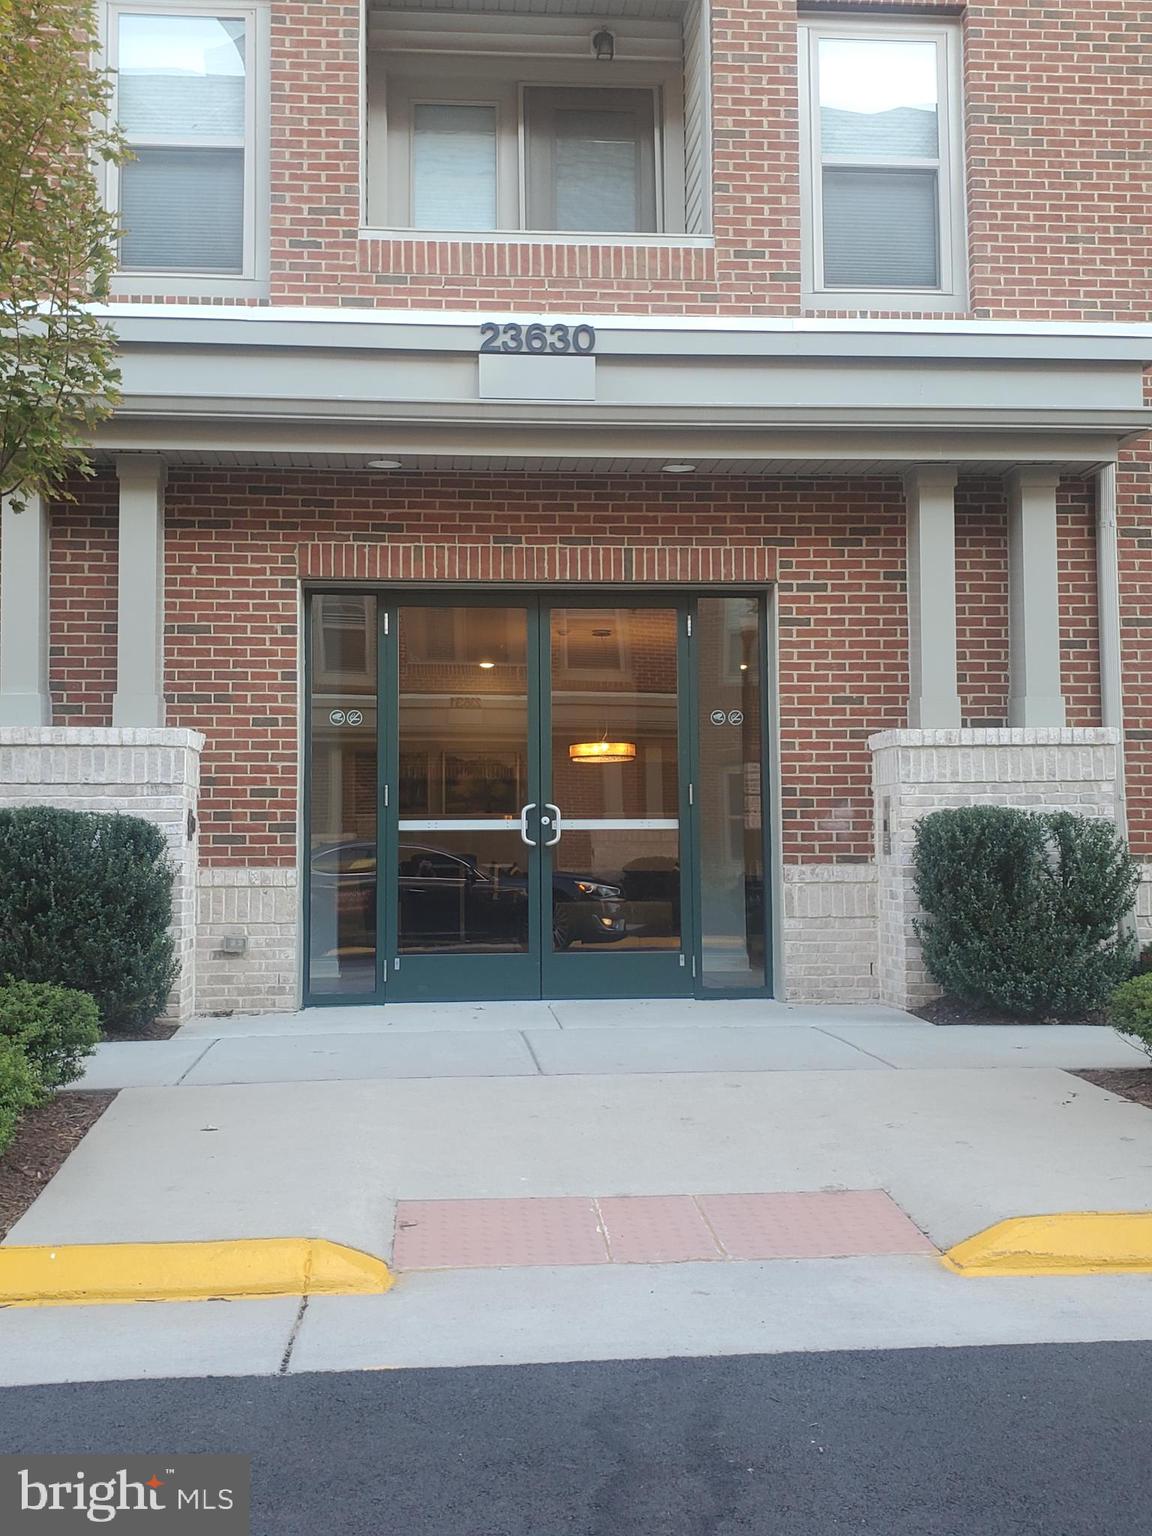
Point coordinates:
[(186, 83), (883, 164), (528, 119)]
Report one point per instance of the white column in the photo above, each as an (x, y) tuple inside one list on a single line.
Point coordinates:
[(1035, 696), (933, 697), (139, 697), (25, 698)]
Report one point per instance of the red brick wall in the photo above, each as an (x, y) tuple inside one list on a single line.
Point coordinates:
[(234, 544), (982, 602), (232, 595), (82, 603), (1056, 123), (1055, 117), (1079, 605)]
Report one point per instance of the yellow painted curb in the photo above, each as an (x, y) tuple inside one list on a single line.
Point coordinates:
[(1066, 1243), (91, 1273)]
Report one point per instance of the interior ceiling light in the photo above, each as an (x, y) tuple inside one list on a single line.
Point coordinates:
[(677, 469), (602, 751), (385, 464), (486, 666), (604, 45)]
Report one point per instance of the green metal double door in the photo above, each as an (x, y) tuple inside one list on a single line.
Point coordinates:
[(517, 799)]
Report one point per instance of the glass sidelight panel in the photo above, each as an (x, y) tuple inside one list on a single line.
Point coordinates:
[(614, 780), (730, 797), (463, 721), (343, 799)]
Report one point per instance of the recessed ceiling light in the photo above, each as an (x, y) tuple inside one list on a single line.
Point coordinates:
[(677, 469), (385, 464)]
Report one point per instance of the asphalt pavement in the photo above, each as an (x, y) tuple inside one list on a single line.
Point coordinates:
[(1024, 1441)]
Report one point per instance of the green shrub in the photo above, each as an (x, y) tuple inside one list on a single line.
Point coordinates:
[(56, 1027), (1130, 1010), (1022, 910), (85, 902), (20, 1088)]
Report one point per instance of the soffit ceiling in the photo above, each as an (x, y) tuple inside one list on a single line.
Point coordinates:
[(599, 10), (418, 464)]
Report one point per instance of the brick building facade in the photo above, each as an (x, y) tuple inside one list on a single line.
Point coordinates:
[(865, 352)]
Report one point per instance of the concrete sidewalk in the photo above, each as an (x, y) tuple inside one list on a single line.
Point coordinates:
[(270, 1128), (580, 1039), (956, 1149)]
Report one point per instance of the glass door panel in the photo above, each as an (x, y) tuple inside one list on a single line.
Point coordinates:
[(342, 874), (611, 822), (730, 797), (466, 832)]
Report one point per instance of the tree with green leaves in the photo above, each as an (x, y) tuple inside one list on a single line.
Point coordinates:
[(58, 372)]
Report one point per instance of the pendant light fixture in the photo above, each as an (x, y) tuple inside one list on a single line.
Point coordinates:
[(602, 752)]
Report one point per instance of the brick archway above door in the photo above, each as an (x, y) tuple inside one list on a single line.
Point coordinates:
[(560, 564)]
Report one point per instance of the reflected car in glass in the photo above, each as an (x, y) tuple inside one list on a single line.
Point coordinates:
[(448, 900)]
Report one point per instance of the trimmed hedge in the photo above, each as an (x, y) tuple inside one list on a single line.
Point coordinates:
[(1130, 1010), (1022, 910), (85, 903), (55, 1026), (20, 1088)]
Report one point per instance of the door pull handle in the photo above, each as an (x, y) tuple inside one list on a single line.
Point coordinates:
[(557, 824), (524, 838)]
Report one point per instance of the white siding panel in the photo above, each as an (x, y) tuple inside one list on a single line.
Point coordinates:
[(697, 118)]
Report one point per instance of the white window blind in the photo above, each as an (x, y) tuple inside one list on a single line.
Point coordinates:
[(453, 166), (182, 99), (591, 159), (880, 229)]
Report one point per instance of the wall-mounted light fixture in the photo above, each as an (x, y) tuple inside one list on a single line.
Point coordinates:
[(604, 45)]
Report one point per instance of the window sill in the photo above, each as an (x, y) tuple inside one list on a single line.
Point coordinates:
[(909, 301), (133, 285), (542, 237)]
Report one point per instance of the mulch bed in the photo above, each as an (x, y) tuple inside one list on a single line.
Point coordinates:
[(157, 1030), (950, 1010), (1133, 1083), (44, 1140)]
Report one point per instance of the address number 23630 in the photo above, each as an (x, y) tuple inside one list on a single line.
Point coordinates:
[(554, 339)]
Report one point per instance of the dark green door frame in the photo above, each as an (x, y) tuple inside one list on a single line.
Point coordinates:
[(539, 971), (441, 977), (602, 971)]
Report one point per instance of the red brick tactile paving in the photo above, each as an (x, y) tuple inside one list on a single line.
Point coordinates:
[(828, 1224), (650, 1229), (656, 1229), (494, 1234)]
